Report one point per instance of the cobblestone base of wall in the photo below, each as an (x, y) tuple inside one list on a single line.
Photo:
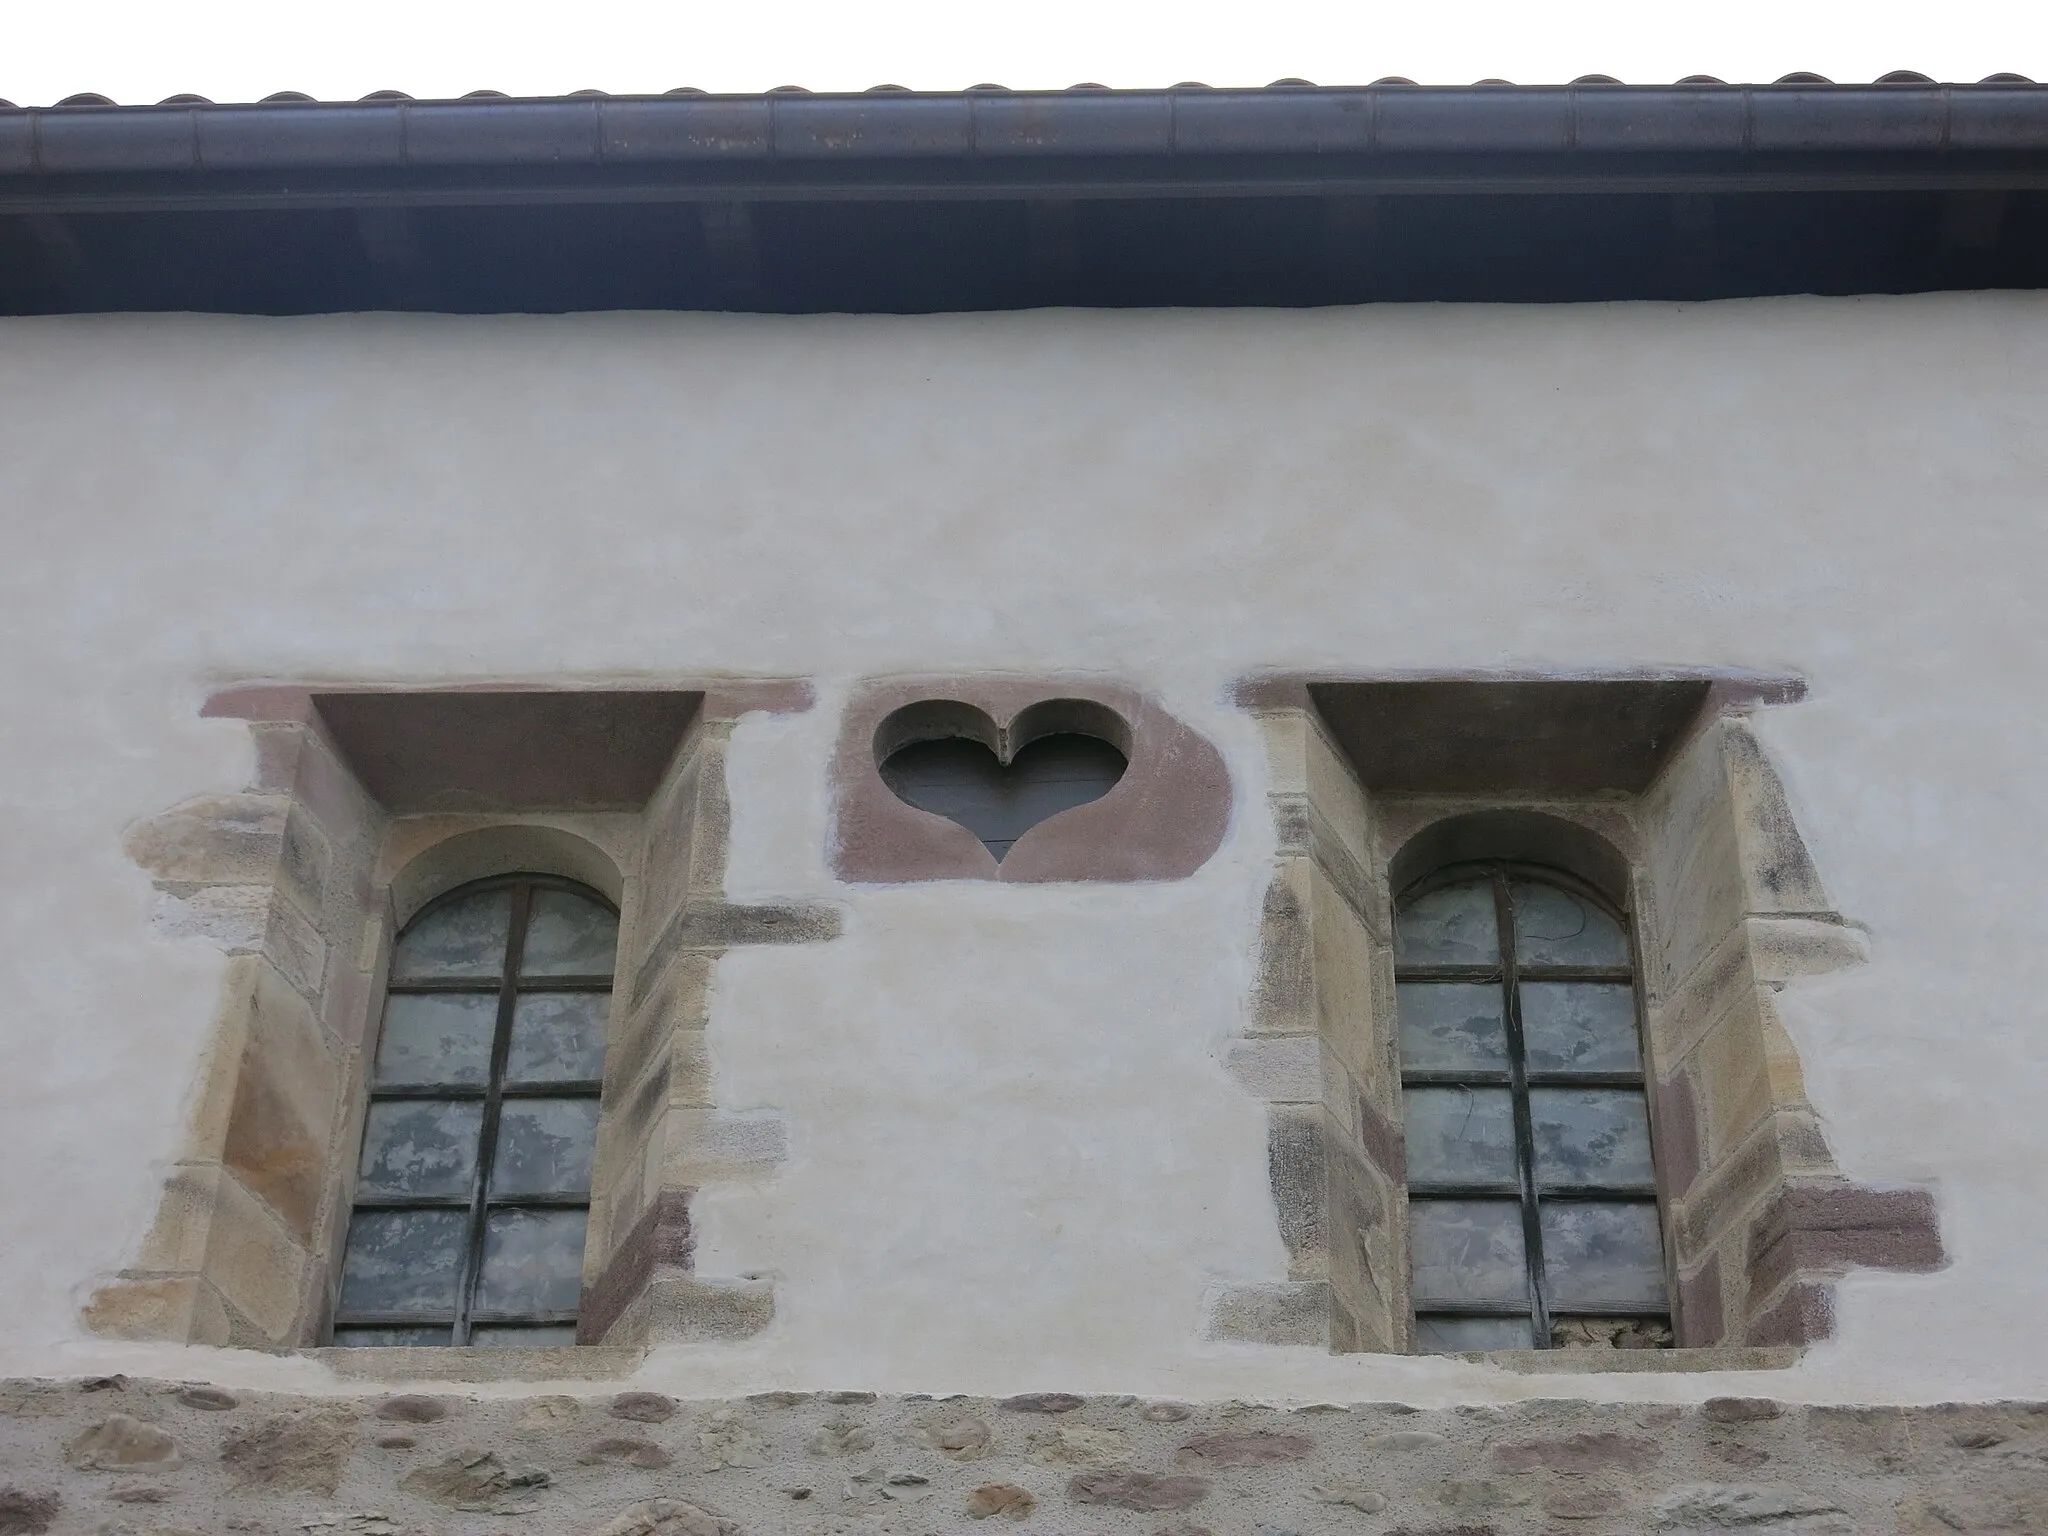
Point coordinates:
[(118, 1457)]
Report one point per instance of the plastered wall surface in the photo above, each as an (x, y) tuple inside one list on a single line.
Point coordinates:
[(1015, 1158)]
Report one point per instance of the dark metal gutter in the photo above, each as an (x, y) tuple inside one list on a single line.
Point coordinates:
[(990, 144)]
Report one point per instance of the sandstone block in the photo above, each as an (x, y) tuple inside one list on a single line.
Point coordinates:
[(1582, 1504), (1043, 1402), (1077, 1444), (412, 1409), (703, 1145), (213, 840), (1138, 1490), (1000, 1499), (1247, 1448), (479, 1483), (622, 1451), (1366, 1501), (1282, 1069), (1720, 1505), (725, 1441), (287, 1088), (960, 1439), (1740, 1410), (303, 1451), (665, 1517), (119, 1443), (643, 1407), (1596, 1452), (685, 1309), (184, 1308), (27, 1514), (1293, 1312)]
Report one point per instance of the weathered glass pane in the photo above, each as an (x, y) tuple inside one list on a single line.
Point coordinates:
[(962, 781), (544, 1147), (1451, 1026), (1460, 1135), (391, 1338), (1597, 1254), (1554, 927), (464, 938), (420, 1147), (1453, 925), (1597, 1136), (1580, 1026), (1451, 1335), (533, 1261), (558, 1037), (543, 1336), (568, 935), (436, 1037), (1467, 1250), (404, 1262)]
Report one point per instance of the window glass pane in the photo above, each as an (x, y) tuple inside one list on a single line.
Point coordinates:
[(1451, 926), (1580, 1026), (546, 1336), (568, 935), (1449, 1335), (1598, 1136), (1460, 1135), (463, 938), (1451, 1026), (1467, 1250), (1554, 927), (533, 1261), (372, 1338), (544, 1147), (420, 1147), (558, 1037), (1599, 1254), (436, 1037), (403, 1262)]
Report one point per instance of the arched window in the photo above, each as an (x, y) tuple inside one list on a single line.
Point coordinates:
[(474, 1185), (1532, 1201)]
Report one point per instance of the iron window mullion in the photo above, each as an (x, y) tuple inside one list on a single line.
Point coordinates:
[(1525, 1128), (487, 1141)]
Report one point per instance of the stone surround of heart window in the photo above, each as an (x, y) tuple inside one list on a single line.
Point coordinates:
[(965, 778)]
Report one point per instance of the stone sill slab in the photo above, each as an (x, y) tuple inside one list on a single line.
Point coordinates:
[(1595, 1362), (574, 1362)]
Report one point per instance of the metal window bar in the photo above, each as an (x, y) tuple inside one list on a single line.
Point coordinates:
[(508, 986), (1519, 1078)]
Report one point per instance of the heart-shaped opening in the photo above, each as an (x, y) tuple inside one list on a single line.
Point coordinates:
[(950, 759)]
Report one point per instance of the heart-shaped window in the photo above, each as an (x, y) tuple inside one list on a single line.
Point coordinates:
[(951, 760)]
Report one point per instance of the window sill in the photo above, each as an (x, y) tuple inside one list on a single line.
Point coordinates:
[(583, 1362), (1592, 1362)]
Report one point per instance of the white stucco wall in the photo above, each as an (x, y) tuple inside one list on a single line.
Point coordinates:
[(1016, 1160)]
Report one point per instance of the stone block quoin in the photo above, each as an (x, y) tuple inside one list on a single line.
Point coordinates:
[(302, 879)]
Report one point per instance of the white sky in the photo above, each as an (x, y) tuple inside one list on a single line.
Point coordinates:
[(240, 50)]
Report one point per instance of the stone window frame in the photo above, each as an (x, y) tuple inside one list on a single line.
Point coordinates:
[(304, 878), (1729, 911)]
